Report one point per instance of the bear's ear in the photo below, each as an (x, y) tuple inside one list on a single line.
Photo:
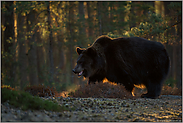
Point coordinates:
[(79, 50), (91, 52)]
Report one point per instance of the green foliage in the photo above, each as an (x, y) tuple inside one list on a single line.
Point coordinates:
[(154, 26), (110, 34), (176, 6), (170, 82), (25, 7), (26, 101)]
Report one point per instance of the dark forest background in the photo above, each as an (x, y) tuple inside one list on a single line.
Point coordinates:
[(38, 39)]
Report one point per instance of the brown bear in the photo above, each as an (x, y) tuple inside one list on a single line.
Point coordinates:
[(129, 61)]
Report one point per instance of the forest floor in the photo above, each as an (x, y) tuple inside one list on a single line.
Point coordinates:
[(167, 108)]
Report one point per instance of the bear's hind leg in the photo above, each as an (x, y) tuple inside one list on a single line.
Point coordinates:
[(153, 90)]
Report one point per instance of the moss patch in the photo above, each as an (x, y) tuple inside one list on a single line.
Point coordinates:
[(26, 101)]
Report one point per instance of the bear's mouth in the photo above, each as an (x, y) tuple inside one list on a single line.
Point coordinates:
[(80, 73)]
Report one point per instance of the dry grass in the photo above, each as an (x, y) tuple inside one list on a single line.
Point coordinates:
[(7, 86), (102, 90), (98, 90), (168, 90), (41, 91), (111, 90)]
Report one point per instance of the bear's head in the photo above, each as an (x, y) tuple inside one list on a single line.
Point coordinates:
[(86, 62)]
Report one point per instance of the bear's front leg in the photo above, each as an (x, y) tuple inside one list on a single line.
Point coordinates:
[(91, 80), (130, 88), (95, 78)]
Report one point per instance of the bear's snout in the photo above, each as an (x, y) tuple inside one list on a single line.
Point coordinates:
[(73, 70), (78, 70)]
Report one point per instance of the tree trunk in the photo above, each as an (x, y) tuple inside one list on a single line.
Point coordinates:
[(173, 43), (179, 53), (2, 43), (159, 7), (40, 57), (179, 66), (32, 53), (8, 68), (81, 18), (132, 16), (60, 39), (174, 66), (70, 27), (22, 50), (82, 33), (99, 17), (50, 44), (90, 20)]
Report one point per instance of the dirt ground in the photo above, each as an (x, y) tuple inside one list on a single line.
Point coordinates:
[(168, 108)]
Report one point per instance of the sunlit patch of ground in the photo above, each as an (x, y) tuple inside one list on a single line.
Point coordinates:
[(71, 89), (112, 90)]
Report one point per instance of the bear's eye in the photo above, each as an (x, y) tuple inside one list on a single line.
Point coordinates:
[(80, 62)]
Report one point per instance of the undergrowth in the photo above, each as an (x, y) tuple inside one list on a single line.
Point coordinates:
[(168, 90), (108, 90), (41, 91), (102, 90), (26, 101)]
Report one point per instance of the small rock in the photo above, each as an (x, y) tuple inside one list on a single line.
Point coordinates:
[(84, 118), (8, 117), (60, 114)]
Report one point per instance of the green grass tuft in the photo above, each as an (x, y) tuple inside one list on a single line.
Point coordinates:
[(26, 101)]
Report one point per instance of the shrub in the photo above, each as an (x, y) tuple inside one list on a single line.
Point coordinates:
[(102, 90), (7, 86), (168, 90), (108, 90), (41, 91)]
